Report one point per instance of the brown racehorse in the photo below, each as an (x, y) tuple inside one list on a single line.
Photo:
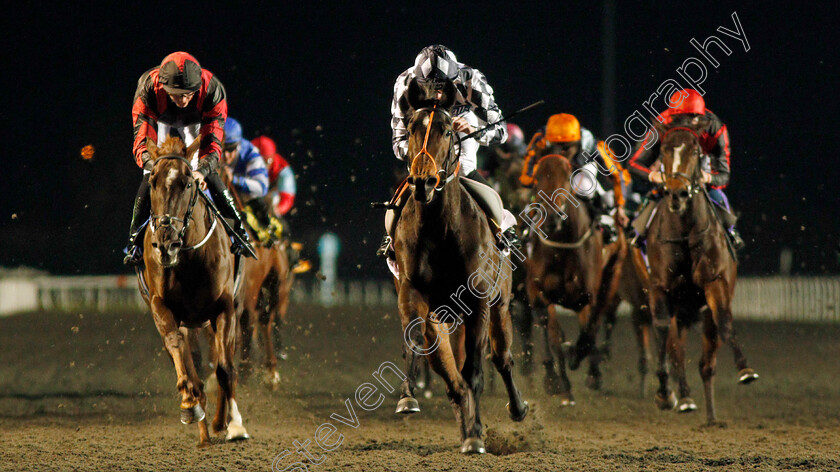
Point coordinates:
[(570, 266), (633, 289), (691, 266), (189, 271), (263, 298), (443, 239)]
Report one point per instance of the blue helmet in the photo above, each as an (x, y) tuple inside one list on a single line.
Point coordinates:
[(233, 131)]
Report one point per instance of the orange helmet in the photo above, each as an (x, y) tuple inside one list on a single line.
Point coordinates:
[(562, 128)]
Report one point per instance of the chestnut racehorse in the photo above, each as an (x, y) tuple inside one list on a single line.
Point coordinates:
[(189, 272), (568, 265), (443, 239), (263, 299), (691, 266)]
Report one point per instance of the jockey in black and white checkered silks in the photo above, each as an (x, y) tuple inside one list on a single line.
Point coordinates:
[(474, 108)]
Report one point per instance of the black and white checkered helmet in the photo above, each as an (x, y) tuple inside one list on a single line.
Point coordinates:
[(436, 62)]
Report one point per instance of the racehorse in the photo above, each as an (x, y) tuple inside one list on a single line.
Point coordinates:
[(189, 272), (691, 266), (569, 265), (443, 239), (263, 298)]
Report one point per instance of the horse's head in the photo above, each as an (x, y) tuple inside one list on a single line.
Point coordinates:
[(431, 139), (680, 154), (552, 179), (173, 193)]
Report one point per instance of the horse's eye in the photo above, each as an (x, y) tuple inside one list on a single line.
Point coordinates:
[(448, 133), (189, 185)]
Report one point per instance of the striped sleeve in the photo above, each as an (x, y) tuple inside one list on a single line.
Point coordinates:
[(480, 96), (144, 116), (399, 108), (251, 175)]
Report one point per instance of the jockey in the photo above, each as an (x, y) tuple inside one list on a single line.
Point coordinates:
[(179, 98), (248, 174), (281, 177), (474, 108), (563, 135), (714, 141)]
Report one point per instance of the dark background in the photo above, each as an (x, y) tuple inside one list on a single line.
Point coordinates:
[(318, 77)]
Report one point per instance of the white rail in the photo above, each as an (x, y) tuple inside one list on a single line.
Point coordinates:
[(812, 299)]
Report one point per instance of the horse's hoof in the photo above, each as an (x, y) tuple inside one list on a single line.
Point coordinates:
[(518, 417), (236, 433), (473, 446), (686, 405), (407, 406), (566, 399), (664, 403), (192, 415), (593, 382), (274, 378), (283, 355), (747, 376), (204, 444)]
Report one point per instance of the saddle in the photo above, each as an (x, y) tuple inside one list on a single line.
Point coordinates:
[(643, 220)]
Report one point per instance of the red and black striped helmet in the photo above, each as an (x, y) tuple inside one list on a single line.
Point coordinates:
[(180, 73)]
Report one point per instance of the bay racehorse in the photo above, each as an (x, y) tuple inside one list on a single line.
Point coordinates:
[(691, 266), (568, 265), (443, 245), (188, 270)]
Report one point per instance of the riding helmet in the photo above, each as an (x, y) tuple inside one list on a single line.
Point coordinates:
[(562, 128), (233, 131), (180, 73), (436, 62), (687, 101)]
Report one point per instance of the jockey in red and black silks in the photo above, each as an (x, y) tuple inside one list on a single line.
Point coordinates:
[(179, 98), (714, 142)]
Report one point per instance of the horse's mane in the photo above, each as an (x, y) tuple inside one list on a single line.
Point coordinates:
[(172, 146)]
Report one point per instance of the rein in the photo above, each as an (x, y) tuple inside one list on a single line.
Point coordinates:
[(574, 245), (442, 174), (166, 219)]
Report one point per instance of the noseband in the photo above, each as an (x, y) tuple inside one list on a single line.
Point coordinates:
[(443, 174), (166, 220)]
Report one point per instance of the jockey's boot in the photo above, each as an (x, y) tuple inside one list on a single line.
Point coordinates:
[(737, 242), (142, 208), (600, 215), (509, 239), (260, 221), (227, 207)]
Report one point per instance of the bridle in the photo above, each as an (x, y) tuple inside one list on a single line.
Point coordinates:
[(443, 175), (166, 220), (694, 187)]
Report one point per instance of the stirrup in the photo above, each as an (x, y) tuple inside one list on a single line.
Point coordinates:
[(384, 247)]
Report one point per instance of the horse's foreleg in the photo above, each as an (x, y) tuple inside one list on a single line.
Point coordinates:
[(641, 328), (188, 384), (225, 341), (555, 338), (267, 319), (475, 345), (708, 363), (719, 301), (661, 314), (247, 332), (676, 351), (413, 309), (501, 336), (458, 390)]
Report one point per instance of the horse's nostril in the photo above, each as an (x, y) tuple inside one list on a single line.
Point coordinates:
[(155, 245), (684, 194)]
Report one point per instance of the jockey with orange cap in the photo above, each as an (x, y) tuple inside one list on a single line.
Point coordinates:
[(179, 98), (714, 142), (563, 135)]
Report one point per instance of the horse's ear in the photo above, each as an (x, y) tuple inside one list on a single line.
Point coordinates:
[(151, 146), (448, 98), (193, 148), (700, 122), (415, 95)]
